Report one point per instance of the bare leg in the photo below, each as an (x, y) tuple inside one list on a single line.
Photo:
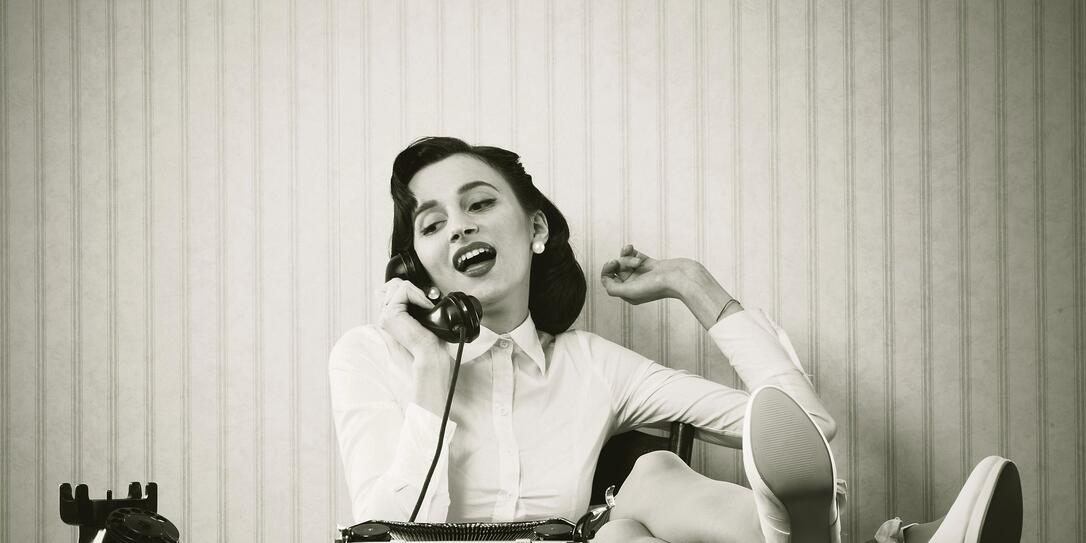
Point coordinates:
[(675, 503), (625, 531)]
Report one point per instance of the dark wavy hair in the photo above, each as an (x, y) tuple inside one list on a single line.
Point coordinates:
[(557, 286)]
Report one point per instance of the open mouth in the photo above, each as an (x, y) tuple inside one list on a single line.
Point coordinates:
[(475, 258)]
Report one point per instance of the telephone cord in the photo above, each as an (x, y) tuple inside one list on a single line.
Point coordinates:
[(444, 423)]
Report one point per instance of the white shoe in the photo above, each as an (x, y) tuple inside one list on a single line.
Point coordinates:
[(988, 509), (791, 470)]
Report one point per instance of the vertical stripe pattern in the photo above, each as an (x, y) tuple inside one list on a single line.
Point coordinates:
[(216, 217)]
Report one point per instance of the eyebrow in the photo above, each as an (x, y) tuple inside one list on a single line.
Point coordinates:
[(419, 209)]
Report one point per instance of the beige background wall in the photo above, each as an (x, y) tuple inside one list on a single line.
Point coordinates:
[(195, 207)]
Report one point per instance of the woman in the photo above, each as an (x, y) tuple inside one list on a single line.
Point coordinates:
[(534, 400)]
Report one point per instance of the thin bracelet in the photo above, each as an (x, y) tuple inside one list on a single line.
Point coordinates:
[(725, 308)]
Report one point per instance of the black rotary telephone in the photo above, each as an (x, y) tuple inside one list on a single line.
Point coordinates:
[(454, 318), (132, 519), (450, 314)]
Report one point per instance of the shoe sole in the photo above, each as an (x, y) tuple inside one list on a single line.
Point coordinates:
[(793, 460), (1000, 522), (1003, 516)]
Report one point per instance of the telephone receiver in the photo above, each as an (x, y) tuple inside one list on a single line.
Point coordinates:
[(451, 314)]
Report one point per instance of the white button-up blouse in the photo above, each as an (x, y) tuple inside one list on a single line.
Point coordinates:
[(530, 415)]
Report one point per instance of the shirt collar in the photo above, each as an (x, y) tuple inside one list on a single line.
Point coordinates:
[(525, 336)]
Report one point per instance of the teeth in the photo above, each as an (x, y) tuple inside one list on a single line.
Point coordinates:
[(470, 254)]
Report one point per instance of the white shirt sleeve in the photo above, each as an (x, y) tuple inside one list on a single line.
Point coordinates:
[(386, 447), (644, 392)]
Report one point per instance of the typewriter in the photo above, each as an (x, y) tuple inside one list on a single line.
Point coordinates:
[(552, 529)]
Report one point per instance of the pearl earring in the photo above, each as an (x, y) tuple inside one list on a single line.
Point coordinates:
[(537, 247)]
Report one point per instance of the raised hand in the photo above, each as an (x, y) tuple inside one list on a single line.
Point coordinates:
[(639, 278)]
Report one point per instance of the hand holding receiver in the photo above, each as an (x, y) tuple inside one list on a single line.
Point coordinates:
[(447, 316), (454, 311), (401, 299)]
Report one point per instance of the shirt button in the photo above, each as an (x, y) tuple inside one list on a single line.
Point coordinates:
[(503, 343), (503, 411)]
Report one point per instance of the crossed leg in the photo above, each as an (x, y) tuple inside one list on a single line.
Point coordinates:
[(663, 499)]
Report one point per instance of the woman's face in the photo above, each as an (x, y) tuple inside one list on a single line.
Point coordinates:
[(471, 233)]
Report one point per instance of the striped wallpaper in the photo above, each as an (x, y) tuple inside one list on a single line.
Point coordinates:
[(194, 208)]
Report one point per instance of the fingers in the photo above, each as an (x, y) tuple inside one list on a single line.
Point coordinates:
[(398, 291), (417, 297), (624, 263), (613, 286), (613, 278), (609, 276), (615, 273), (610, 268), (395, 319), (628, 250), (623, 267)]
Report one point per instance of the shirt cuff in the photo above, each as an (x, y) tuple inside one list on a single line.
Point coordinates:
[(757, 348)]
